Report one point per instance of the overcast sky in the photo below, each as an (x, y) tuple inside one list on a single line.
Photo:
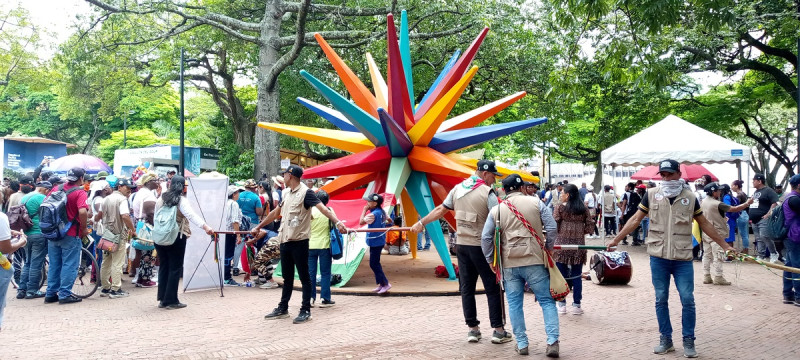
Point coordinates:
[(55, 16)]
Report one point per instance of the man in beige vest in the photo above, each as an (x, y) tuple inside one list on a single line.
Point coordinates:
[(295, 212), (471, 201), (608, 202), (118, 228), (671, 207), (715, 210), (522, 259)]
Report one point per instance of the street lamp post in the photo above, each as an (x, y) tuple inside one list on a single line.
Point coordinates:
[(181, 159)]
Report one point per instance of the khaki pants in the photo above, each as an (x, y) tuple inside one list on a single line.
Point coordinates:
[(112, 267), (712, 256)]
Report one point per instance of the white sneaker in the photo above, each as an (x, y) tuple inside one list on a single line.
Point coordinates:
[(270, 284), (575, 310), (561, 307), (774, 259)]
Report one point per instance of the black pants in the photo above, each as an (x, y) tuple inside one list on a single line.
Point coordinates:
[(170, 270), (295, 254), (610, 224), (230, 247), (471, 264)]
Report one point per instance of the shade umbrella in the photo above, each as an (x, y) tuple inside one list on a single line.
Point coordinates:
[(90, 164), (690, 172)]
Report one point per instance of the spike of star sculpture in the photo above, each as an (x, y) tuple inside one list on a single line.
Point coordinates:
[(406, 150)]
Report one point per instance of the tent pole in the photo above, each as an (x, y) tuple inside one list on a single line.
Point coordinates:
[(739, 168)]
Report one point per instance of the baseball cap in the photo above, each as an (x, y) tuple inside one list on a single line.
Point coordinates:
[(233, 188), (55, 180), (794, 180), (669, 165), (125, 182), (251, 184), (759, 177), (710, 188), (75, 174), (641, 186), (488, 165), (512, 182), (26, 180), (295, 170), (44, 184), (375, 197), (102, 175)]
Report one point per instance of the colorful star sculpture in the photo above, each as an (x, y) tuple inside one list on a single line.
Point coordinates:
[(404, 149)]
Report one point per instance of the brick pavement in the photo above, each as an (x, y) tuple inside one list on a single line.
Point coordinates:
[(619, 323)]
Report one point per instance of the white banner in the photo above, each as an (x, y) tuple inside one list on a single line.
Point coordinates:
[(200, 270)]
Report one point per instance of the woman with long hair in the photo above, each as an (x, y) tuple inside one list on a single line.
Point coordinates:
[(574, 221), (171, 256), (374, 216), (269, 203)]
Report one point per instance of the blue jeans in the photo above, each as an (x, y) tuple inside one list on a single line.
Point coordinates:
[(683, 272), (324, 257), (538, 278), (791, 281), (64, 257), (645, 228), (741, 225), (375, 265), (35, 251), (573, 275), (427, 240), (5, 279)]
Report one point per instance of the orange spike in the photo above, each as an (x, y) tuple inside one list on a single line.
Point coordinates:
[(348, 182), (360, 94), (427, 160)]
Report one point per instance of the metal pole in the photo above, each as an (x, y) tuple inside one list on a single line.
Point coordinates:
[(180, 157), (125, 131), (549, 165)]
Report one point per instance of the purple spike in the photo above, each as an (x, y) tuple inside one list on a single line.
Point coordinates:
[(398, 141)]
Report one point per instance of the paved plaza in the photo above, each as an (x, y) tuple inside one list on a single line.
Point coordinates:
[(744, 321)]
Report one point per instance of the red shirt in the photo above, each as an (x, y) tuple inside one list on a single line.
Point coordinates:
[(75, 200)]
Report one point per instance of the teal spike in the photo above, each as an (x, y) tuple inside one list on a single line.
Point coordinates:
[(420, 193), (399, 171), (366, 123), (405, 54)]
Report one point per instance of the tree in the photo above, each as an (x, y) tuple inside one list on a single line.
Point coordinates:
[(266, 27), (19, 40)]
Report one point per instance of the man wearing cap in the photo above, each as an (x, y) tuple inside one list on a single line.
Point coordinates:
[(791, 213), (714, 211), (233, 221), (118, 228), (629, 206), (471, 201), (101, 175), (671, 207), (64, 254), (295, 211), (590, 200), (522, 221), (36, 248), (764, 199)]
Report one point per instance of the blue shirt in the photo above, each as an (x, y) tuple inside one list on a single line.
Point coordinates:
[(377, 239), (248, 203)]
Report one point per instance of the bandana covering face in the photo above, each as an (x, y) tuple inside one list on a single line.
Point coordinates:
[(671, 188)]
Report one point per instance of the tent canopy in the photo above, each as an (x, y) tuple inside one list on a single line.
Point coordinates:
[(677, 139)]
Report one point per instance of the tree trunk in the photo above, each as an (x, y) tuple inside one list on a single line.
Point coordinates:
[(597, 183), (266, 145)]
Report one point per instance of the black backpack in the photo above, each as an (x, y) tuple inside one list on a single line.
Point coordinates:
[(53, 214)]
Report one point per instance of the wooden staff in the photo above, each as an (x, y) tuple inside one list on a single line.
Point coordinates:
[(232, 232), (380, 229), (771, 265), (581, 247)]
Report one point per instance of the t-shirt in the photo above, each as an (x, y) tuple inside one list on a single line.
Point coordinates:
[(633, 203), (583, 192), (376, 238), (32, 202), (142, 196), (75, 201), (234, 215), (394, 238), (320, 237), (590, 200), (762, 201), (248, 203), (644, 206), (5, 228), (14, 199), (723, 208), (310, 200)]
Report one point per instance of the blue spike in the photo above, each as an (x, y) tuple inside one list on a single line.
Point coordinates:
[(420, 193), (333, 116), (442, 74), (450, 141), (397, 139)]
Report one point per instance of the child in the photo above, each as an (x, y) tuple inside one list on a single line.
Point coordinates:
[(374, 216), (398, 244)]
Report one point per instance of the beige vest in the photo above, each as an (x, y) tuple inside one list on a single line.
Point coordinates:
[(710, 207), (608, 203), (471, 212), (295, 218), (519, 247), (113, 226), (670, 235)]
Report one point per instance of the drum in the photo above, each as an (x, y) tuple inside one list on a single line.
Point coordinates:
[(610, 268)]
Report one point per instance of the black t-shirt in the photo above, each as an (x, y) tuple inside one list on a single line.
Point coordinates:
[(762, 201), (633, 203), (309, 201), (644, 206)]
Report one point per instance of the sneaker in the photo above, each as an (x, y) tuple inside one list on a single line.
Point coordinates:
[(326, 303), (575, 310), (719, 280), (176, 306), (269, 285), (552, 350), (688, 348), (231, 282), (501, 338), (384, 289), (664, 346), (118, 294), (707, 279), (146, 284), (236, 271), (34, 295), (104, 292), (377, 288), (796, 302), (774, 259), (561, 307), (313, 301), (523, 351), (473, 336), (20, 294), (789, 300), (277, 313), (69, 300), (304, 316), (50, 299), (260, 281)]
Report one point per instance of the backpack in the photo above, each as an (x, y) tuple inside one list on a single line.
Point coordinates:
[(165, 226), (53, 214), (337, 242), (18, 217), (776, 223)]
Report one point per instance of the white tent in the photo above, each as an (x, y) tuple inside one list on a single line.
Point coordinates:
[(675, 138)]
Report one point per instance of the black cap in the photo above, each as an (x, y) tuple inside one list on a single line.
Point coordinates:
[(710, 188), (512, 182), (488, 165), (759, 177), (794, 180), (26, 180), (295, 170), (44, 184), (375, 197), (669, 165), (75, 174), (55, 180), (126, 182)]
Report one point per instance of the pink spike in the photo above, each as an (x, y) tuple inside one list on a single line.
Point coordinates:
[(399, 102), (453, 76)]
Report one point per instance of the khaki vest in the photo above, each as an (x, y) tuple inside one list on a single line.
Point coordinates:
[(113, 226), (519, 247), (710, 207), (295, 218), (670, 235), (608, 203), (471, 212)]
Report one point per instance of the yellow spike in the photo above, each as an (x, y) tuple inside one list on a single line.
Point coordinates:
[(423, 131), (342, 140), (378, 84)]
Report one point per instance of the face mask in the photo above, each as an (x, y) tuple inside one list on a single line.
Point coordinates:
[(671, 188)]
